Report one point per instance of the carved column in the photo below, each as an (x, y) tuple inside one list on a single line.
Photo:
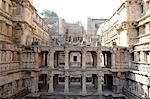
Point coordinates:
[(66, 59), (1, 61), (113, 58), (102, 59), (136, 57), (145, 89), (83, 84), (66, 90), (37, 59), (52, 59), (99, 84), (142, 56), (0, 56), (118, 78), (84, 60), (48, 59), (149, 57), (99, 59), (50, 82), (34, 88), (43, 60), (149, 5), (105, 59)]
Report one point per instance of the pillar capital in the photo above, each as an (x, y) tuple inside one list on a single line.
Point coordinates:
[(50, 74), (129, 24), (66, 74), (100, 74), (119, 74), (114, 50), (83, 74), (98, 51), (66, 51), (51, 51), (83, 50)]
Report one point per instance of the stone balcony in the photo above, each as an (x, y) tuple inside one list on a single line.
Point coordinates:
[(143, 67), (145, 38)]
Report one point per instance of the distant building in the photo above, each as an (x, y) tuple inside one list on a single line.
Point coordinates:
[(92, 35)]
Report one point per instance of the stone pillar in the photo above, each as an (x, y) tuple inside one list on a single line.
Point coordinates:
[(48, 59), (102, 60), (20, 59), (83, 60), (83, 84), (43, 59), (37, 59), (145, 88), (66, 90), (34, 88), (142, 56), (137, 57), (105, 59), (147, 6), (66, 59), (129, 60), (99, 84), (0, 56), (118, 82), (148, 58), (52, 59), (99, 59), (113, 60), (139, 88), (1, 61), (50, 82)]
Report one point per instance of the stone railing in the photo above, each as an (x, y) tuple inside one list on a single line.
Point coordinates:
[(16, 66), (145, 37), (121, 65), (18, 93), (130, 95), (28, 65), (9, 66), (144, 67), (90, 65), (75, 64)]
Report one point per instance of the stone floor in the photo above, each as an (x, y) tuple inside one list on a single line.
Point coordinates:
[(76, 88), (75, 92)]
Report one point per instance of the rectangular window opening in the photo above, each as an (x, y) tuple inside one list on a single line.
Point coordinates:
[(74, 58)]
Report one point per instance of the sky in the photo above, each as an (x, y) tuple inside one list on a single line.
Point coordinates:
[(79, 10)]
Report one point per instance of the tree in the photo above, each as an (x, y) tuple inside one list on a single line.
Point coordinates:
[(47, 13)]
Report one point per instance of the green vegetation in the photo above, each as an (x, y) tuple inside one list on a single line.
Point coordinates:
[(47, 13)]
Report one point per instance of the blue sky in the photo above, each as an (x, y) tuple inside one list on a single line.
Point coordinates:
[(79, 10)]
